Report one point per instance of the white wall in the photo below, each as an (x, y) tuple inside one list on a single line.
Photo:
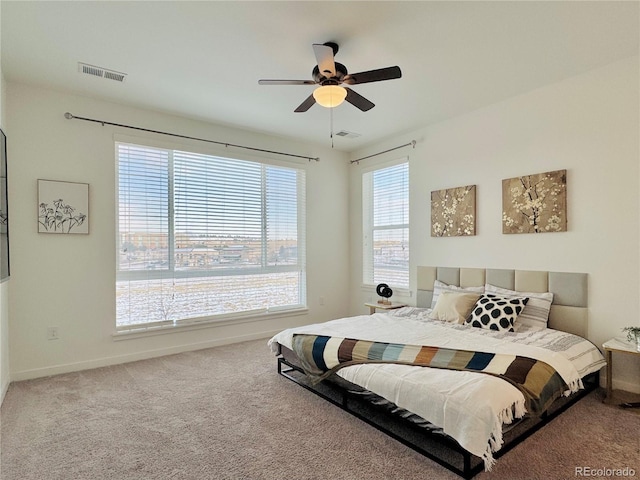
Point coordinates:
[(588, 125), (4, 286), (69, 281)]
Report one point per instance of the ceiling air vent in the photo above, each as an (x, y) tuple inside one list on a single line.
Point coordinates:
[(346, 134), (101, 72)]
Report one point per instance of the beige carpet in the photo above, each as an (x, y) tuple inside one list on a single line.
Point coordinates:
[(224, 413)]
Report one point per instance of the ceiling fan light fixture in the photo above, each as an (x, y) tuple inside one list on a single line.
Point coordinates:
[(330, 96)]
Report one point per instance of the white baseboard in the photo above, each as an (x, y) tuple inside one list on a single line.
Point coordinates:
[(626, 386), (618, 384), (107, 361), (3, 390)]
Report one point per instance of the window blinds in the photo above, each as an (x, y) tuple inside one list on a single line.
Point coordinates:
[(202, 236), (386, 226)]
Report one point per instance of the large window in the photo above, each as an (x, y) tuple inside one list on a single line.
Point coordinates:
[(385, 200), (202, 237)]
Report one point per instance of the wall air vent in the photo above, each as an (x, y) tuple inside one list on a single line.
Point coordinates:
[(101, 72), (346, 134)]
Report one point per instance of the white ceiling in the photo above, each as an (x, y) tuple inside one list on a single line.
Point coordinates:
[(203, 59)]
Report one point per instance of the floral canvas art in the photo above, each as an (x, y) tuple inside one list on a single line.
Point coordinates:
[(63, 207), (453, 212), (535, 203)]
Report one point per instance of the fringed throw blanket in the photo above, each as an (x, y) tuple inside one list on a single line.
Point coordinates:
[(470, 408), (540, 383)]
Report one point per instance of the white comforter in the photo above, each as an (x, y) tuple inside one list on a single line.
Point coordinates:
[(470, 407)]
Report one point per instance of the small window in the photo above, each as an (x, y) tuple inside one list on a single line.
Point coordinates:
[(385, 200)]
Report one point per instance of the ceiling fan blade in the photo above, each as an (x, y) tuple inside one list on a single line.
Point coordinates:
[(378, 75), (358, 100), (286, 82), (306, 105), (324, 56)]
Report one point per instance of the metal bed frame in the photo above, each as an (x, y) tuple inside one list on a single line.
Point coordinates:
[(436, 446)]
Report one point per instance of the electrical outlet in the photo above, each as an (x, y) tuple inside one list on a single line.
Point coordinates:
[(52, 333), (321, 300)]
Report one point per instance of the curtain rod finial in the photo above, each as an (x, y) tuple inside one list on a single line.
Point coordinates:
[(68, 116)]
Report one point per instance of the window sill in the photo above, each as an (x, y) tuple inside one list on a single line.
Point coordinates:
[(141, 331)]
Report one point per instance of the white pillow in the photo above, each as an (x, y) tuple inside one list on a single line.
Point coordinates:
[(535, 313), (439, 287), (454, 307)]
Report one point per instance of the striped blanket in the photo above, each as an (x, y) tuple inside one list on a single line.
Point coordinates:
[(540, 383)]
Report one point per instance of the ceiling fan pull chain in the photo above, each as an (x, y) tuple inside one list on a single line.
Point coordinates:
[(331, 125)]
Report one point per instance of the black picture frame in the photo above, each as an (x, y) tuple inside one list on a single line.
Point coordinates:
[(4, 211)]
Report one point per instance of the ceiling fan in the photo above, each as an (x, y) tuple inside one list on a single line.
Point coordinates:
[(330, 75)]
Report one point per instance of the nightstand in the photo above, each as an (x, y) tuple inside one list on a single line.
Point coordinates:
[(619, 346), (382, 306)]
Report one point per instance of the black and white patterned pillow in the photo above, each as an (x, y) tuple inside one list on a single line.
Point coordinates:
[(494, 312)]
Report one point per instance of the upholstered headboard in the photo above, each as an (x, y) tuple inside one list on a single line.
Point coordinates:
[(569, 310)]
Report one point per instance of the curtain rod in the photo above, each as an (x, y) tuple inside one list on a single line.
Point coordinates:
[(69, 116), (412, 143)]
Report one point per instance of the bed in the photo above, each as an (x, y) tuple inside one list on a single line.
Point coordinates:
[(426, 376)]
